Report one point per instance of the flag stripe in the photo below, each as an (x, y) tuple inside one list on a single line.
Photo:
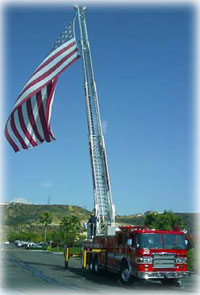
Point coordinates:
[(12, 135), (11, 131), (28, 124), (32, 119), (16, 132), (44, 64), (42, 115), (49, 66), (50, 95), (56, 51), (13, 144), (62, 48), (32, 90), (19, 128), (36, 116), (23, 126), (46, 71), (49, 108)]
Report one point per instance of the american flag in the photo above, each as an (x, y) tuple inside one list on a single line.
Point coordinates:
[(29, 122)]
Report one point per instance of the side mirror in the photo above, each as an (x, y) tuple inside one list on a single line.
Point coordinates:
[(186, 242), (129, 242)]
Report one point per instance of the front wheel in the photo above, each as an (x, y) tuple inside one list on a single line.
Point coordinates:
[(125, 273), (172, 282)]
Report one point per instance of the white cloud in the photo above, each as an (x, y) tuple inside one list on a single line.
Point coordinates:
[(21, 200)]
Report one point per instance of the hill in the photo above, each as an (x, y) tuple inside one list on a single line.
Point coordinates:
[(28, 214), (18, 213)]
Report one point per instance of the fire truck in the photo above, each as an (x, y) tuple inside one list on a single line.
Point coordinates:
[(132, 251), (140, 253)]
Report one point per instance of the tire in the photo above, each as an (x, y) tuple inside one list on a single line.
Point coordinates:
[(172, 282), (66, 265), (179, 283), (125, 274), (91, 264), (139, 283), (96, 264)]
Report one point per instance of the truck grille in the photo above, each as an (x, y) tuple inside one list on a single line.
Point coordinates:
[(163, 260)]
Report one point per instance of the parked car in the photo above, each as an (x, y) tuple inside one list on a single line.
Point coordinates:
[(21, 244), (34, 245)]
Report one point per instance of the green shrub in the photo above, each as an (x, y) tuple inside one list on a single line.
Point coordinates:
[(75, 250), (24, 236), (55, 249), (192, 261)]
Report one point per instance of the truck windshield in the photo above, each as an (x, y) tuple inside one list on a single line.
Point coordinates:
[(161, 241)]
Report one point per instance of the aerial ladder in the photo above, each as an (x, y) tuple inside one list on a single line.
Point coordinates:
[(104, 209), (135, 252)]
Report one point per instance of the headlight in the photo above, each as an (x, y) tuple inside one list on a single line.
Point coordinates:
[(181, 260), (143, 260)]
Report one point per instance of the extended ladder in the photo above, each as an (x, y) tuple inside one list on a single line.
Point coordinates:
[(104, 208)]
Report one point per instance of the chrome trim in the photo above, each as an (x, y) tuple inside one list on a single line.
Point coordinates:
[(143, 260), (163, 275), (164, 260)]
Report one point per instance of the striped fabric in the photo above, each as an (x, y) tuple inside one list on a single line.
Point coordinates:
[(29, 122)]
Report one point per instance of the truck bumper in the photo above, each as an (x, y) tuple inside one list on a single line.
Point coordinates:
[(163, 275)]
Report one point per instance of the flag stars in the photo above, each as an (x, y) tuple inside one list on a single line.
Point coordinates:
[(66, 35)]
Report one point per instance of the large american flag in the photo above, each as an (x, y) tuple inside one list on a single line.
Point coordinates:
[(29, 122)]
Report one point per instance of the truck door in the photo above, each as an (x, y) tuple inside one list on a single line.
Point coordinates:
[(131, 250), (119, 250)]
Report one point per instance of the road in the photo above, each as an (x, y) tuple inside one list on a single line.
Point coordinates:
[(30, 272)]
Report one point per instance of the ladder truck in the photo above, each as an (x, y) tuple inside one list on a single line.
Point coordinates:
[(132, 251)]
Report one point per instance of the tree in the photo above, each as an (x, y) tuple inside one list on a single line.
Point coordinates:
[(165, 221), (70, 228), (56, 238), (45, 219)]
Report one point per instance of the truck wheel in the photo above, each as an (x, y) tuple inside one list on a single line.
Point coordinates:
[(167, 282), (96, 264), (139, 283), (179, 283), (172, 282), (125, 274), (91, 264)]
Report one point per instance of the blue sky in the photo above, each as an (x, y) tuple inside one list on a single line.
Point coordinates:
[(143, 64)]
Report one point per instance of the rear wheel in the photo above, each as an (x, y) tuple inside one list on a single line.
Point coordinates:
[(96, 264), (91, 264), (66, 264)]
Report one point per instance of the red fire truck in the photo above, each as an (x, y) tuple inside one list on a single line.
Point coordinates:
[(139, 252), (131, 251)]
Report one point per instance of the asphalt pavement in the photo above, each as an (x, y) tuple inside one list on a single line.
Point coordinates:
[(34, 271)]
